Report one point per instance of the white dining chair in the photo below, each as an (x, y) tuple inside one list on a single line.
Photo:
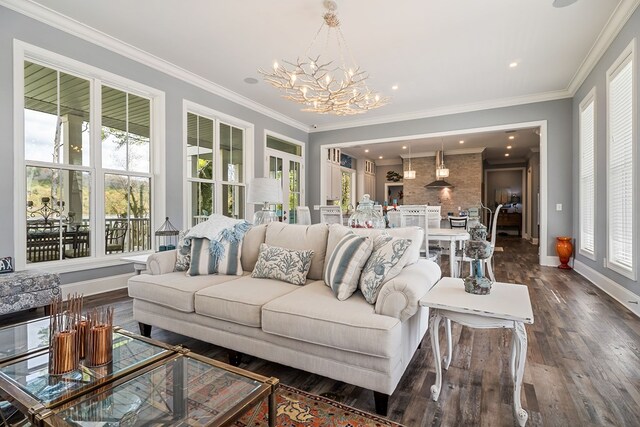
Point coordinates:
[(330, 214), (393, 217), (434, 216), (488, 263), (303, 215), (416, 216)]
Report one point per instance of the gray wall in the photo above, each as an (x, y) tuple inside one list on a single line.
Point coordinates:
[(597, 79), (14, 25), (559, 149)]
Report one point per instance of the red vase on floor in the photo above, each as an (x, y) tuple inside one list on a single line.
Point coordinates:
[(564, 249)]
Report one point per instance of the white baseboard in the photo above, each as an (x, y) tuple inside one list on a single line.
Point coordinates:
[(616, 291), (550, 261), (96, 286), (534, 241)]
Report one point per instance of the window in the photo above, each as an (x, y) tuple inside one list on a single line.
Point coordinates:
[(215, 165), (620, 173), (587, 175), (87, 185)]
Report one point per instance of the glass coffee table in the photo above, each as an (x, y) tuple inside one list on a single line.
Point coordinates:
[(147, 383)]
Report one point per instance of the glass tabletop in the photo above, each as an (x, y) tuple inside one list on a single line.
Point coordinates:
[(31, 374), (181, 391), (23, 338)]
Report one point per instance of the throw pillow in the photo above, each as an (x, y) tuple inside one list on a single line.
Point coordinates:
[(204, 262), (288, 265), (183, 253), (345, 264), (388, 258)]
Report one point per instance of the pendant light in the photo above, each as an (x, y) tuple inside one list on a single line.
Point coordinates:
[(410, 173)]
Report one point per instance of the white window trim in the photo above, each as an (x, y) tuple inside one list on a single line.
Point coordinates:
[(248, 150), (588, 99), (302, 157), (628, 54), (26, 52)]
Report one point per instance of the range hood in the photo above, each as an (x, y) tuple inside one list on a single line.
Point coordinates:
[(439, 183)]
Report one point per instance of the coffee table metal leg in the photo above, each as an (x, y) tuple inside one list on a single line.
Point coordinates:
[(435, 347), (447, 359), (521, 357)]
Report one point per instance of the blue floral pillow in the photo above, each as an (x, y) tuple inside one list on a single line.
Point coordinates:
[(387, 260), (288, 265)]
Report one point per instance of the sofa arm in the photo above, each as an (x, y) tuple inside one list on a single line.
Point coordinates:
[(161, 262), (400, 296)]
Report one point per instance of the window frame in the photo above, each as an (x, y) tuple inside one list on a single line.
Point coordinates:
[(627, 55), (218, 118), (589, 99), (97, 77)]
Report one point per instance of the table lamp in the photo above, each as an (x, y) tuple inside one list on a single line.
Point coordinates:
[(265, 191)]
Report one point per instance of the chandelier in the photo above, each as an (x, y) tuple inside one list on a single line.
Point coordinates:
[(321, 86)]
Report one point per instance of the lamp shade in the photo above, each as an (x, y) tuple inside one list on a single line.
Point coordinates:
[(264, 190)]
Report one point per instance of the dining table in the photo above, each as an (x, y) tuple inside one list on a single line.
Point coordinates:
[(453, 236)]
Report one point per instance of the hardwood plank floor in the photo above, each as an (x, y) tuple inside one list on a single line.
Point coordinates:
[(583, 360)]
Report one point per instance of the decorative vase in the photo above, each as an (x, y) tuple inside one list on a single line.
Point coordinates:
[(564, 249), (479, 249)]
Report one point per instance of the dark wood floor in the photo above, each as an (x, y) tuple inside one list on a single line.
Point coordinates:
[(583, 361)]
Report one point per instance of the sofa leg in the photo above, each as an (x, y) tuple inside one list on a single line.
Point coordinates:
[(382, 403), (235, 357), (145, 330)]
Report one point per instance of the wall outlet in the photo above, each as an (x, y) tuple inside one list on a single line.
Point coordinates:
[(559, 207)]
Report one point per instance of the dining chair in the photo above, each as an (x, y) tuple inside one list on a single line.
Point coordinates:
[(434, 215), (393, 217), (43, 242), (330, 214), (488, 262), (115, 235), (303, 215), (416, 216), (79, 243), (458, 222)]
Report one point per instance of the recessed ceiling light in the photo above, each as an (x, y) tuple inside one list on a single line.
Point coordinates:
[(513, 65), (251, 80), (461, 141), (506, 154), (404, 147), (379, 157), (366, 151), (508, 147), (394, 87), (512, 137)]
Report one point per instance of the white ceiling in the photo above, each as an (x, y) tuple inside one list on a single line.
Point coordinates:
[(493, 145), (443, 54)]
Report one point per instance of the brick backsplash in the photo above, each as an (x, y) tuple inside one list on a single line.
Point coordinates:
[(465, 173)]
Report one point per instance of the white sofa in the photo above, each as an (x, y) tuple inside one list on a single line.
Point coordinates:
[(305, 327)]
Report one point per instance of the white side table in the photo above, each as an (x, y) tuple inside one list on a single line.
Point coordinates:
[(507, 306), (139, 262)]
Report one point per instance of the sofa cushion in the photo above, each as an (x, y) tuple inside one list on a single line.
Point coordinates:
[(251, 246), (175, 290), (288, 265), (312, 314), (388, 258), (345, 264), (293, 236), (241, 300), (416, 234), (203, 262)]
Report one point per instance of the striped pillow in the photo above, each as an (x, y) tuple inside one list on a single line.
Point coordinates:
[(203, 263), (342, 271)]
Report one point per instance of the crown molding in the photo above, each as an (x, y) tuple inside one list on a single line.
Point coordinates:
[(445, 111), (92, 35), (612, 28)]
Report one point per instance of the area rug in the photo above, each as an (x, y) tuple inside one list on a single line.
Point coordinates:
[(298, 408)]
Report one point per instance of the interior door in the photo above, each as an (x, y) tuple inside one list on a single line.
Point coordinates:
[(288, 170)]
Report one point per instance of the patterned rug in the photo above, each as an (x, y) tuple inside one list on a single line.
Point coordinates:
[(297, 408)]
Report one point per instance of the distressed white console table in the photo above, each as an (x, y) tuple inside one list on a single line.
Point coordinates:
[(507, 306)]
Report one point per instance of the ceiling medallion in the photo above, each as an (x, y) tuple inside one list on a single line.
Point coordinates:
[(320, 86)]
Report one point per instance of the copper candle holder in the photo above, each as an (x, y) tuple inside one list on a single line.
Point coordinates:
[(81, 328), (63, 336), (99, 343)]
